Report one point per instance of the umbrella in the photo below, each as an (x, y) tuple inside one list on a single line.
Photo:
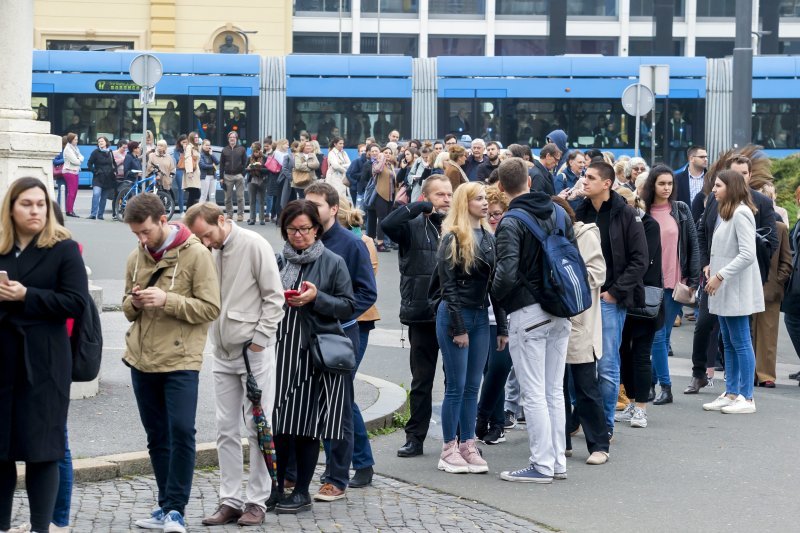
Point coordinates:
[(265, 441)]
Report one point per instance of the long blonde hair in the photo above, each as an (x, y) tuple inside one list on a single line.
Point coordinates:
[(51, 234), (459, 223)]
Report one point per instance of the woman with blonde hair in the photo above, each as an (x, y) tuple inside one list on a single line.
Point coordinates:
[(44, 284), (191, 169), (465, 267)]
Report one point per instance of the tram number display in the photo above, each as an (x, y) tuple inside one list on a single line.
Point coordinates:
[(116, 86)]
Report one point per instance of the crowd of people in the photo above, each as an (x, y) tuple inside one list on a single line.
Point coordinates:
[(549, 284)]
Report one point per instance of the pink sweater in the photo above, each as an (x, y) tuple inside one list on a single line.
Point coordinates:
[(670, 262)]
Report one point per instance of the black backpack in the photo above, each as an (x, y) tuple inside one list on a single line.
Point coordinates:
[(87, 344)]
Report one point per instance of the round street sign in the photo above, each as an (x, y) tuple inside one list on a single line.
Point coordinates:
[(146, 70), (646, 100)]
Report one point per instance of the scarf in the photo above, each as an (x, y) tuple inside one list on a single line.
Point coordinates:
[(295, 260)]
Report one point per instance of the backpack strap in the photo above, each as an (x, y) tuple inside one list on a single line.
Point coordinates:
[(540, 234)]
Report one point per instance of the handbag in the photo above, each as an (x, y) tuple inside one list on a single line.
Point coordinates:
[(401, 198), (653, 297), (683, 294), (305, 179), (332, 353), (370, 193), (272, 165)]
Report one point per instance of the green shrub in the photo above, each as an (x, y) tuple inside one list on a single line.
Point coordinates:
[(787, 178)]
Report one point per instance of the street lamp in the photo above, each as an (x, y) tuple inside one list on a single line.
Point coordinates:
[(758, 35), (244, 34)]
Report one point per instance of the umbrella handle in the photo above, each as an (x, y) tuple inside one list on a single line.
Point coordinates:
[(246, 359)]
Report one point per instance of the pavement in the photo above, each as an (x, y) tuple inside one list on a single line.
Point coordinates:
[(689, 470)]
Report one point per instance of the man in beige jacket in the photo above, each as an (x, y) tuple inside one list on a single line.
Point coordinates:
[(252, 308)]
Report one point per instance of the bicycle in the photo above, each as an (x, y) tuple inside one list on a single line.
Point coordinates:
[(151, 184)]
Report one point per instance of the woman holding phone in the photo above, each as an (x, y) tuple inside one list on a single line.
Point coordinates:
[(44, 281), (309, 402)]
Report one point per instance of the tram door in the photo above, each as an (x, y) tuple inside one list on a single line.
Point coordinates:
[(476, 117)]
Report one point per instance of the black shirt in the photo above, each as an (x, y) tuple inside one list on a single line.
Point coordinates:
[(603, 221)]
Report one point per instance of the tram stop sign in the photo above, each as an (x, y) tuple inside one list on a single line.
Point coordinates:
[(637, 100), (146, 71)]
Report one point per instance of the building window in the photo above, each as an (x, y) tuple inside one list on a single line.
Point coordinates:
[(456, 46), (457, 8), (90, 46), (513, 46), (592, 8), (713, 47), (390, 6), (716, 8), (521, 7), (643, 46), (321, 6), (407, 45), (320, 43), (789, 8), (789, 46), (606, 47), (644, 8)]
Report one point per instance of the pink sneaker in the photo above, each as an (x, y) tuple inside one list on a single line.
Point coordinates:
[(451, 461), (470, 453)]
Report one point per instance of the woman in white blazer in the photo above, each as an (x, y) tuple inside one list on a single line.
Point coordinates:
[(735, 290), (338, 163)]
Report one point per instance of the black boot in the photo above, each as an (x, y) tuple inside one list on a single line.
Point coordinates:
[(274, 497), (665, 396), (295, 503), (481, 427), (652, 394), (362, 478)]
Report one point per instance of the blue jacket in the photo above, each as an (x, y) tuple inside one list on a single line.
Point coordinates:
[(131, 163), (354, 170), (559, 138), (356, 256)]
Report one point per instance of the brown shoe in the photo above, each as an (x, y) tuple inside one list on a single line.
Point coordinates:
[(225, 514), (240, 218), (253, 515), (695, 385), (329, 493)]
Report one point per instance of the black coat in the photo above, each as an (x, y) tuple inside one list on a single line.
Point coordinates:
[(541, 179), (103, 168), (36, 362), (654, 276)]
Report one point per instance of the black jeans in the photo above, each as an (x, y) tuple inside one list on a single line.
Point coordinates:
[(588, 406), (339, 452), (192, 196), (375, 215), (167, 404), (306, 452), (41, 482), (792, 321), (634, 352), (493, 390), (705, 344), (424, 356)]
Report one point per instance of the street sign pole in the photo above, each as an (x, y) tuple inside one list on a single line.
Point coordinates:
[(146, 71), (638, 118), (656, 78), (637, 100)]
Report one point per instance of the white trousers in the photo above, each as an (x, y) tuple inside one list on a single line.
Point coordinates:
[(233, 407), (208, 189), (538, 346)]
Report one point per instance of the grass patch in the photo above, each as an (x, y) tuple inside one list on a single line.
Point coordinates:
[(399, 420)]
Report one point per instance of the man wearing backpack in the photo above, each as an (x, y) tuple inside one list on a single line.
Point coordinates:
[(537, 338), (624, 245)]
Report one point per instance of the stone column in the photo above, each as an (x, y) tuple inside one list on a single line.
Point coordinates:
[(26, 146)]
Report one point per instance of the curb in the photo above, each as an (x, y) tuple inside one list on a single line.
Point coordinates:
[(391, 399)]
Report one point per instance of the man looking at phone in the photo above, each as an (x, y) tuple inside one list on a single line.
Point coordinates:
[(354, 447), (252, 307), (171, 296)]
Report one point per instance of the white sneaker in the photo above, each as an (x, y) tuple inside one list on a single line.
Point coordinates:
[(626, 414), (639, 418), (58, 529), (721, 401), (740, 406)]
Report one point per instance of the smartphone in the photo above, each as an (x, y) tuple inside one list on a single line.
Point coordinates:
[(291, 293), (3, 276)]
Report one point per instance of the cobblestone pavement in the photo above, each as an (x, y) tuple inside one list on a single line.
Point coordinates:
[(388, 505)]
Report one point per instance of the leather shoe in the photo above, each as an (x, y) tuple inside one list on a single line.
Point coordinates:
[(794, 375), (274, 497), (225, 514), (665, 396), (410, 449), (253, 515), (768, 384), (294, 503), (329, 493), (695, 385), (362, 478), (652, 394)]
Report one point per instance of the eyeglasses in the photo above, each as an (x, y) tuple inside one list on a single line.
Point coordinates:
[(639, 169), (700, 156), (496, 214), (301, 231)]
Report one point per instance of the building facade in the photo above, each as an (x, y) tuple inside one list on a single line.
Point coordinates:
[(190, 26), (430, 28)]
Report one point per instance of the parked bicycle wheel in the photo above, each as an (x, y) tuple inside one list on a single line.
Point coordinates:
[(121, 200), (169, 203)]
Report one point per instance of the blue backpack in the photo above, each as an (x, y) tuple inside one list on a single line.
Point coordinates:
[(566, 290)]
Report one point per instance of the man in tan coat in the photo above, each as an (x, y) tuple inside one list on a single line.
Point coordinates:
[(171, 296)]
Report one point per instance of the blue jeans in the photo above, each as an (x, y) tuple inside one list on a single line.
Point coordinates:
[(464, 370), (167, 404), (740, 359), (99, 197), (177, 191), (608, 366), (64, 496), (493, 396), (660, 352)]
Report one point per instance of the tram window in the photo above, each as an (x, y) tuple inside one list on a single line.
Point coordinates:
[(165, 114), (775, 123), (234, 118), (90, 116), (460, 118), (355, 120), (204, 121), (598, 124), (529, 122), (40, 107)]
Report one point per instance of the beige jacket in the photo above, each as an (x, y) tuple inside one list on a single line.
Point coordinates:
[(172, 337), (252, 294), (191, 172), (372, 313), (303, 173), (586, 336), (165, 163)]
